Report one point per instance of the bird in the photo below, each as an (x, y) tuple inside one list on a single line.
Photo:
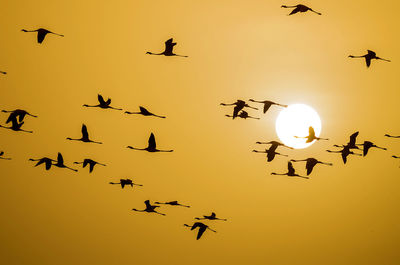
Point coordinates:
[(212, 216), (300, 8), (41, 33), (367, 145), (125, 182), (18, 113), (2, 72), (239, 105), (169, 46), (311, 163), (392, 136), (45, 160), (143, 111), (202, 228), (275, 143), (173, 203), (291, 172), (2, 156), (149, 208), (368, 57), (102, 104), (152, 147), (60, 163), (345, 153), (267, 104), (85, 136), (311, 136), (352, 143), (270, 153), (16, 126), (89, 162), (244, 115)]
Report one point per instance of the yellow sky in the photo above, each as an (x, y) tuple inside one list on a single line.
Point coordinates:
[(345, 214)]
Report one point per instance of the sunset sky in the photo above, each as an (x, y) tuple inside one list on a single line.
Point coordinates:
[(345, 214)]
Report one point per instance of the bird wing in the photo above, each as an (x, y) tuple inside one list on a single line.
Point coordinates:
[(353, 138), (48, 164), (236, 110), (267, 105), (368, 61), (100, 99), (11, 117), (311, 131), (60, 158), (169, 45), (344, 157), (294, 11), (85, 162), (1, 153), (147, 202), (21, 116), (310, 166), (91, 167), (144, 110), (85, 133), (371, 53), (152, 141), (122, 184), (367, 146), (202, 229), (41, 35), (290, 168), (270, 155), (108, 102)]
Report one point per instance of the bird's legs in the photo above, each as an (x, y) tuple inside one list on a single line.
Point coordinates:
[(378, 58), (392, 136), (315, 12)]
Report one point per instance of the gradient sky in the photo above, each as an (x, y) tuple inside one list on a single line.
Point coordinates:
[(346, 214)]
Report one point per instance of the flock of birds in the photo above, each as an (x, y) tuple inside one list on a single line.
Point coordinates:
[(16, 119)]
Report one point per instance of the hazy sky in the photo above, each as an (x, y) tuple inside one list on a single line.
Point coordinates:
[(345, 214)]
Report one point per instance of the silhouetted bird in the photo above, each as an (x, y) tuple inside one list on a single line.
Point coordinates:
[(125, 182), (202, 228), (291, 172), (173, 203), (41, 33), (367, 145), (89, 162), (85, 136), (352, 143), (345, 153), (212, 216), (368, 57), (45, 160), (267, 104), (149, 208), (103, 104), (270, 153), (4, 73), (169, 46), (300, 8), (239, 105), (275, 144), (397, 157), (143, 111), (17, 114), (15, 126), (311, 163), (2, 156), (60, 163), (152, 147), (244, 115), (392, 136), (311, 136)]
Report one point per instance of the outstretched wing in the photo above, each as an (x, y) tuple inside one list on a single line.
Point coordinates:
[(368, 60), (152, 141), (85, 162), (310, 166), (267, 105), (290, 168), (353, 138), (202, 229), (11, 117), (60, 159), (85, 134), (41, 35), (1, 153), (169, 45), (147, 202), (108, 102), (100, 99), (294, 11), (48, 164), (311, 131), (144, 110)]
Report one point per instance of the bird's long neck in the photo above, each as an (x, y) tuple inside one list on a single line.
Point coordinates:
[(165, 151), (319, 138), (293, 160), (56, 34), (114, 108), (95, 142), (211, 230), (378, 58), (180, 55), (24, 30), (280, 154), (32, 115), (127, 112), (115, 183), (279, 174), (137, 184), (162, 53), (163, 117), (72, 139), (134, 148), (356, 56), (285, 6), (383, 148), (91, 106), (315, 12), (253, 118), (324, 163)]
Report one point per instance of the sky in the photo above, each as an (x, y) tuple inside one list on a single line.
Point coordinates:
[(345, 214)]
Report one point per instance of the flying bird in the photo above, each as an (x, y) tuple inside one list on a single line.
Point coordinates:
[(352, 142), (2, 72), (60, 163), (16, 126), (275, 144), (392, 136), (125, 182), (45, 160), (368, 57), (89, 162), (149, 208), (244, 115), (2, 156), (169, 46), (173, 203), (17, 114), (212, 216), (268, 104), (239, 105), (270, 153), (152, 147), (102, 104), (291, 172), (85, 136), (299, 8), (143, 111), (311, 136), (311, 163), (41, 33), (367, 145), (202, 228), (345, 152)]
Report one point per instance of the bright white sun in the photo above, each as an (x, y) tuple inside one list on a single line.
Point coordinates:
[(295, 121)]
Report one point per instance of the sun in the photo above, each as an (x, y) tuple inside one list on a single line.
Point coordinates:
[(295, 120)]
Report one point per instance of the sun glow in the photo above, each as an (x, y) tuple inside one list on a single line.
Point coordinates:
[(295, 120)]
